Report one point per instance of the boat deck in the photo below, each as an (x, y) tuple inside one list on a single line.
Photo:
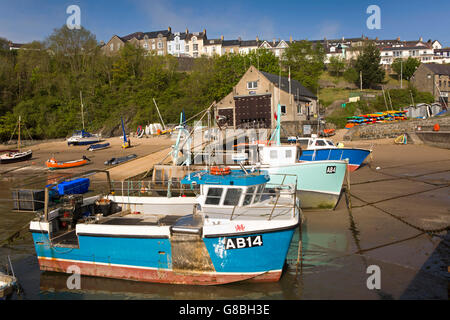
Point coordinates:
[(142, 220)]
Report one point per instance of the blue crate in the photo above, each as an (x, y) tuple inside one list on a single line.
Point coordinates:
[(77, 186)]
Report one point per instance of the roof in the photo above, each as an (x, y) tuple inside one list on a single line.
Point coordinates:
[(404, 48), (236, 178), (151, 35), (212, 42), (182, 35), (230, 43), (438, 68), (295, 85)]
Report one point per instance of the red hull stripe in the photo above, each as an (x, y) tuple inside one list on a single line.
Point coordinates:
[(155, 275), (353, 167)]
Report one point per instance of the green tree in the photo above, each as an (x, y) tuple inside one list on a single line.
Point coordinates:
[(336, 66), (368, 65), (405, 68), (306, 62)]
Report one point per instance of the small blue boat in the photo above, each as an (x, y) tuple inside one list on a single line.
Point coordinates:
[(98, 146), (319, 149), (238, 229)]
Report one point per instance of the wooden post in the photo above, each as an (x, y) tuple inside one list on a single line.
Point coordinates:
[(349, 196)]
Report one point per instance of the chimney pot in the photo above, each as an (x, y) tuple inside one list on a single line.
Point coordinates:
[(221, 37), (257, 39), (239, 38), (187, 31), (290, 39), (398, 38), (273, 41), (169, 29)]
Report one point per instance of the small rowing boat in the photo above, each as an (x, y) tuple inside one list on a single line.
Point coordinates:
[(114, 161), (98, 146), (53, 164)]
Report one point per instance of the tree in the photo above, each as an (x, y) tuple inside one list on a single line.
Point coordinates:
[(368, 65), (405, 68), (306, 62), (336, 66)]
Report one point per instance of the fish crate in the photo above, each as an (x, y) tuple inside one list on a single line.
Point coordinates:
[(28, 199)]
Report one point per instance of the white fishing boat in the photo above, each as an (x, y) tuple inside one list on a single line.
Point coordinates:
[(7, 285), (16, 156)]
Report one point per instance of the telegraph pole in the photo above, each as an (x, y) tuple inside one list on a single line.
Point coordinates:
[(401, 73), (360, 80)]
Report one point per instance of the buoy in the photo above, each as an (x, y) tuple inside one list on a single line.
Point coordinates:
[(436, 127)]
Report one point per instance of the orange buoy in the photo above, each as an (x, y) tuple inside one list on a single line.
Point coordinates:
[(220, 171), (436, 127)]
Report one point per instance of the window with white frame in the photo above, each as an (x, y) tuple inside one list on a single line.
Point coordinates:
[(195, 47), (232, 197), (111, 46), (160, 45), (252, 84)]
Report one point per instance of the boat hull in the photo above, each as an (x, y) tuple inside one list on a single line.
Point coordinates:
[(26, 156), (355, 156), (169, 259), (65, 165), (319, 183)]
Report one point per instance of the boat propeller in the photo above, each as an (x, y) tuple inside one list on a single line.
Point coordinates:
[(86, 158)]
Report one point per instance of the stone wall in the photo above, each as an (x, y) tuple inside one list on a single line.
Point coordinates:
[(392, 130)]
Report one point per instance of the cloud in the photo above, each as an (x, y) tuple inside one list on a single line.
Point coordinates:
[(328, 29)]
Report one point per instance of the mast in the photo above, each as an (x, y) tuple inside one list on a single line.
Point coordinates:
[(157, 109), (82, 111), (18, 142)]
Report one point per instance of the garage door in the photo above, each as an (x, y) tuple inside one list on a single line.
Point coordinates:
[(253, 111)]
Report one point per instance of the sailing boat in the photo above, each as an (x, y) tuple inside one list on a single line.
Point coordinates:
[(16, 156), (82, 137)]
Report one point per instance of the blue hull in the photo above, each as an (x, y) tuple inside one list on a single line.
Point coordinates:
[(356, 156), (158, 259)]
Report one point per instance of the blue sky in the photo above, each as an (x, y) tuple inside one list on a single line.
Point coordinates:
[(27, 20)]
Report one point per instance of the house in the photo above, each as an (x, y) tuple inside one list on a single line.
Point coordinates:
[(433, 78), (194, 43), (176, 44), (155, 41), (253, 102), (230, 46), (213, 47), (277, 47), (422, 53)]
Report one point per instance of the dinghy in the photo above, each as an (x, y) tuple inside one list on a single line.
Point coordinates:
[(99, 146), (53, 164), (114, 161)]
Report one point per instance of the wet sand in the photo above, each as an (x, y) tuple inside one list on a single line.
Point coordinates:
[(399, 220)]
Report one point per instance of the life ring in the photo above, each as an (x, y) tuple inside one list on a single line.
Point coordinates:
[(220, 171)]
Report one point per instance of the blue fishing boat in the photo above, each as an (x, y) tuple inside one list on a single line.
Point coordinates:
[(320, 149), (98, 146), (239, 228)]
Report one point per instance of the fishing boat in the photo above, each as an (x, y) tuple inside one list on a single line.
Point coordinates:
[(16, 155), (320, 149), (114, 161), (99, 146), (53, 164), (7, 285), (239, 228), (81, 137)]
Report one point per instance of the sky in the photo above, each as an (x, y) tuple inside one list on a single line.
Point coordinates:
[(23, 21)]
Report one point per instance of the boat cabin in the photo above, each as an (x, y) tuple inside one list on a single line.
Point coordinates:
[(315, 143), (227, 188), (279, 155)]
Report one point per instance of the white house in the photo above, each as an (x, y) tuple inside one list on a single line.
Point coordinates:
[(176, 44)]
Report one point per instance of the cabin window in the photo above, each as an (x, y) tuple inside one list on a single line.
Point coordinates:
[(213, 196), (259, 193), (248, 196), (288, 154), (330, 143), (303, 142), (232, 197), (320, 143), (273, 154)]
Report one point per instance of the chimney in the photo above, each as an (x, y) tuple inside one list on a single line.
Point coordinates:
[(257, 39), (421, 39), (376, 38), (169, 29), (204, 32), (290, 39), (221, 38), (239, 38), (274, 40), (187, 31), (398, 38)]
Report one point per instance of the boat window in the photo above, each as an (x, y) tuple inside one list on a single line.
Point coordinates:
[(248, 196), (232, 197), (214, 195), (273, 154), (330, 143), (303, 142), (288, 154), (259, 193), (320, 143)]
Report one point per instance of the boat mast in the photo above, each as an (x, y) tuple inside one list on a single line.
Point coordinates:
[(157, 109), (82, 112), (18, 142)]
